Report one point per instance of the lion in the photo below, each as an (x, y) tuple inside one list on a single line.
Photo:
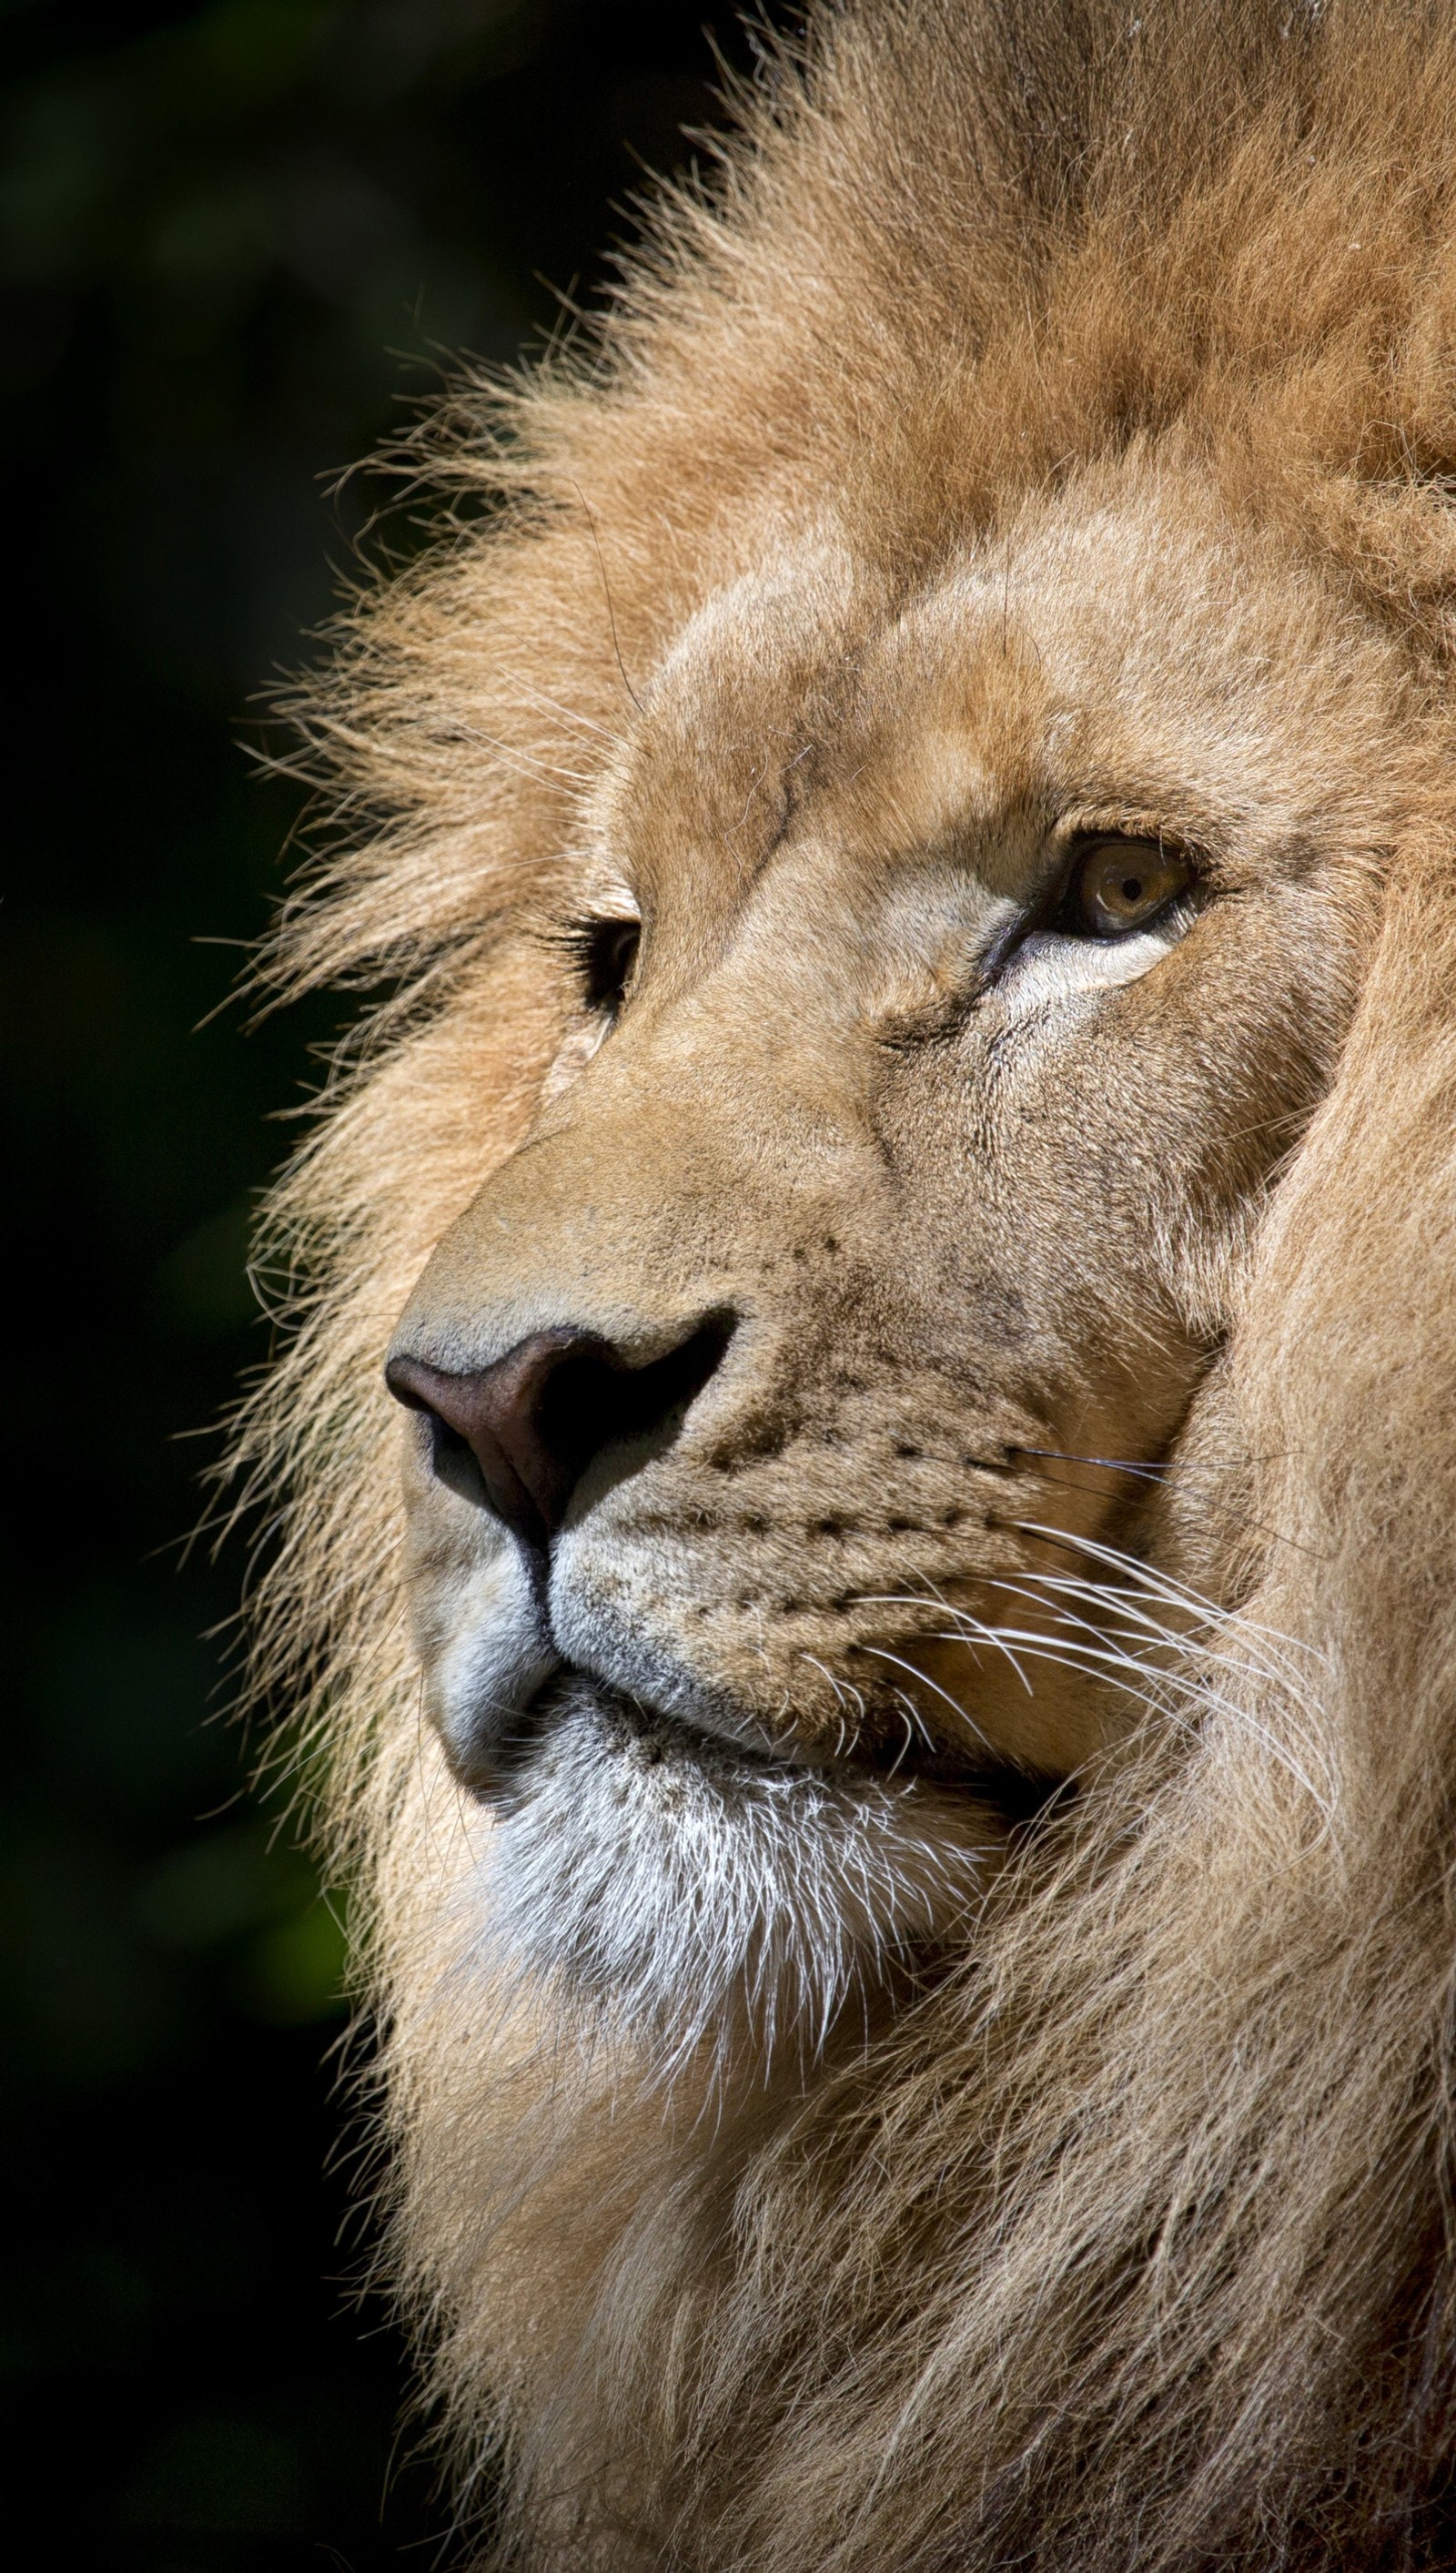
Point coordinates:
[(867, 1467)]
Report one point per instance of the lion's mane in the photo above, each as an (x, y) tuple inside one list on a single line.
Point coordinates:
[(1130, 2244)]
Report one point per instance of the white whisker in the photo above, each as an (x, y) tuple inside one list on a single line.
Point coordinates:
[(880, 1654)]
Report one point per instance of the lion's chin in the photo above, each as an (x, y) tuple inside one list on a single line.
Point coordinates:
[(672, 1889)]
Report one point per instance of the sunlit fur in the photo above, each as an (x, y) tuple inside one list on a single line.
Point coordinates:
[(1124, 2241)]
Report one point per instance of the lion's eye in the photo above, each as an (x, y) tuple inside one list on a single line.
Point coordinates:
[(1119, 885), (606, 955)]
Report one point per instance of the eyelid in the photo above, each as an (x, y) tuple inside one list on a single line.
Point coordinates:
[(1037, 914)]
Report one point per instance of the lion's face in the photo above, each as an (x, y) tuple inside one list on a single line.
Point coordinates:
[(949, 975)]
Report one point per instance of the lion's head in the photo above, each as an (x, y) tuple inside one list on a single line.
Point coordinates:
[(905, 1733), (943, 971)]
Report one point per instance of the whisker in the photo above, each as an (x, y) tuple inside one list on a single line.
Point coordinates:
[(960, 1712), (1078, 1659), (839, 1696), (1157, 1584), (1159, 1474)]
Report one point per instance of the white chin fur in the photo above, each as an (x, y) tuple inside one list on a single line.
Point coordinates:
[(690, 1898)]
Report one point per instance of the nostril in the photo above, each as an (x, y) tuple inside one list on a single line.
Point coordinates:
[(519, 1435), (453, 1461), (596, 1400), (453, 1458), (462, 1452)]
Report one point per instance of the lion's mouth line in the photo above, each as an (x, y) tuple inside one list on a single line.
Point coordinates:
[(659, 1732)]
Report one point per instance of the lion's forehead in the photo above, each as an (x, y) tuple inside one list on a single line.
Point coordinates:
[(1126, 647)]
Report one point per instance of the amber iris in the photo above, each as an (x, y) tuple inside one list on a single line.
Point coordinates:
[(1118, 885)]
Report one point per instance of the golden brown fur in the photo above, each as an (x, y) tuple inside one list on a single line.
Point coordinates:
[(1114, 2229)]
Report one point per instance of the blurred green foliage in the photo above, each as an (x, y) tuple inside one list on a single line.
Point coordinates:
[(235, 239)]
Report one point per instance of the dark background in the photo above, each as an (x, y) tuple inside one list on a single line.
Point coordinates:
[(234, 241)]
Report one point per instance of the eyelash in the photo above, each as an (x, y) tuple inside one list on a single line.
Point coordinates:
[(603, 954)]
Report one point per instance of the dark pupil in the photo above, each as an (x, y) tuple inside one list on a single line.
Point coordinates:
[(1131, 888)]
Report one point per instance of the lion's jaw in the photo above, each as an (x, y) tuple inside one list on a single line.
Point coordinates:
[(962, 1196)]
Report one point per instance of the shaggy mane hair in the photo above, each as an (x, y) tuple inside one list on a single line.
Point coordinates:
[(1127, 2243)]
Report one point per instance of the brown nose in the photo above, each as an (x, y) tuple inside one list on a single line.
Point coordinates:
[(536, 1420)]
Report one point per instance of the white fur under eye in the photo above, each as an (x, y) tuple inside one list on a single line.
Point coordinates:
[(1049, 967)]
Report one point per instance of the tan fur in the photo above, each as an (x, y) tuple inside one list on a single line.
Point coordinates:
[(1045, 423)]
